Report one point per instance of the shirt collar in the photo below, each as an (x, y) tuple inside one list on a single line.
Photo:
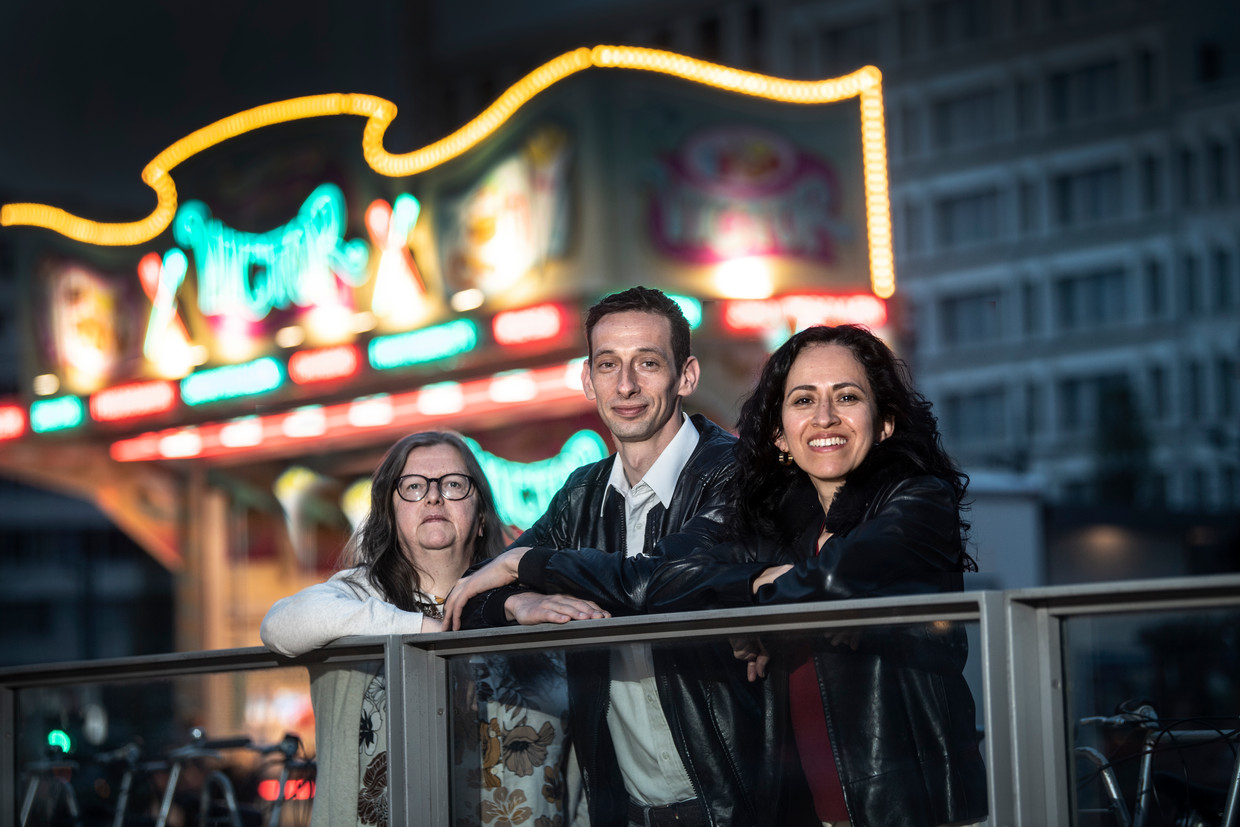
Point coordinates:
[(663, 475)]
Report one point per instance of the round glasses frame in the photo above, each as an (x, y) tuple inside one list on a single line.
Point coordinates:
[(451, 492)]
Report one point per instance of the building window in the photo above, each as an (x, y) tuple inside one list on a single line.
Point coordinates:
[(910, 133), (914, 232), (1026, 120), (1151, 183), (1224, 295), (1090, 300), (1216, 173), (1146, 77), (1028, 206), (1089, 197), (1158, 393), (1188, 284), (972, 319), (967, 219), (848, 48), (1194, 397), (979, 416), (966, 120), (1080, 399), (1188, 177), (910, 32), (1209, 62), (1030, 302), (955, 23), (1227, 376), (1155, 289), (1084, 94)]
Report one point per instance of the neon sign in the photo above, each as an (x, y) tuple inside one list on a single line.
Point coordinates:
[(797, 312), (339, 362), (12, 421), (57, 414), (529, 324), (250, 274), (232, 381), (136, 399), (524, 489), (426, 345)]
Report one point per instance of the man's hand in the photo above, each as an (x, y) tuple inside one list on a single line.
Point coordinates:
[(769, 576), (529, 608), (499, 572), (754, 653)]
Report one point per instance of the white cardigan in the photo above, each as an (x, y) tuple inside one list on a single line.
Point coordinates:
[(312, 618), (347, 604)]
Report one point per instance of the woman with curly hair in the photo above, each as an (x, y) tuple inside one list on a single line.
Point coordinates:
[(844, 491)]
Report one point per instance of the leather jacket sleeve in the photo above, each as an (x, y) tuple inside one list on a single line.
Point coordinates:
[(620, 584), (909, 543)]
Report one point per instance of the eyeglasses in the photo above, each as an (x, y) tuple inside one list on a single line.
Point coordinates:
[(413, 488)]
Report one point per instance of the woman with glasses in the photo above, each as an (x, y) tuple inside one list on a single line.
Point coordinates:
[(431, 516)]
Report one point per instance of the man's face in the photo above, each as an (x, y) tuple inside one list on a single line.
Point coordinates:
[(632, 379)]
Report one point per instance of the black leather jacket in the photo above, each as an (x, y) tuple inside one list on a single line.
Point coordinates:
[(729, 732), (899, 712)]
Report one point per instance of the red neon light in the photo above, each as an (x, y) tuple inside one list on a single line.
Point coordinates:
[(133, 400), (300, 790), (530, 324), (800, 311), (214, 439), (12, 421), (323, 364)]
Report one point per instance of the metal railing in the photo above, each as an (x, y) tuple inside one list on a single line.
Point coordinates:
[(1019, 641)]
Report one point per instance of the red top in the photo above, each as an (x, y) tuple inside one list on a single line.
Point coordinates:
[(809, 724)]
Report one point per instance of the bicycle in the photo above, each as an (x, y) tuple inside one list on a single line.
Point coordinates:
[(1197, 805), (60, 794), (218, 792)]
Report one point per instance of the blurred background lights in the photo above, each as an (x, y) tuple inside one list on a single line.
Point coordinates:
[(181, 444), (441, 398), (529, 324), (45, 384), (325, 364), (426, 345), (513, 386), (691, 307), (132, 400), (470, 299), (306, 422), (245, 432), (744, 278), (291, 336), (371, 411), (58, 414), (12, 421), (232, 381), (355, 502)]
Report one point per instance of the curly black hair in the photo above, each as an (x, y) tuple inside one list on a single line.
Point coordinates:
[(762, 480)]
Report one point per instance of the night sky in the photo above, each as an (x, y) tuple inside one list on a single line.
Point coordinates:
[(92, 91)]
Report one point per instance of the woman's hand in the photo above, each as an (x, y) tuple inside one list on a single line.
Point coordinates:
[(499, 572), (769, 576)]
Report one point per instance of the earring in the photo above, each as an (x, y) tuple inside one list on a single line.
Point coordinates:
[(785, 458)]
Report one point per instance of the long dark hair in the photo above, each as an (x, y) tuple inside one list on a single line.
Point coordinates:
[(375, 545), (762, 481)]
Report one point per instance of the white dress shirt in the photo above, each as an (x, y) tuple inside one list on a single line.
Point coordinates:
[(649, 762)]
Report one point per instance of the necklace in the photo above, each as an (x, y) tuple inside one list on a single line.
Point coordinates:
[(435, 611)]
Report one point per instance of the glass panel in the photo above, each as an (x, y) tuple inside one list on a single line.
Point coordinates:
[(526, 728), (1180, 672), (167, 745)]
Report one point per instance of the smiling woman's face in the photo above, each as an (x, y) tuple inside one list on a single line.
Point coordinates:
[(435, 528), (829, 418)]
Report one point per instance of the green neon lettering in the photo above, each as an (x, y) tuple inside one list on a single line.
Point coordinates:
[(232, 381), (251, 274), (425, 345), (523, 490)]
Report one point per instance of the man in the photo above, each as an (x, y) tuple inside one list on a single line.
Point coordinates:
[(664, 734)]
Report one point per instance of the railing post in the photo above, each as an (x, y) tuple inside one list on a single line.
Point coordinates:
[(1036, 709), (419, 746), (996, 676)]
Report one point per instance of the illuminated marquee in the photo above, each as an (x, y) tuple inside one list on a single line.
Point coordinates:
[(865, 85)]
